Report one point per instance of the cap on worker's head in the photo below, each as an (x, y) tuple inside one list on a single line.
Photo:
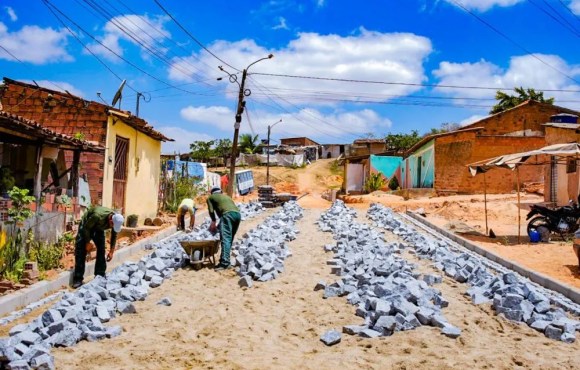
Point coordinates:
[(215, 190), (118, 220)]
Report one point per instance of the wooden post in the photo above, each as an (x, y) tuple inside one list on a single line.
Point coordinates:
[(485, 203), (38, 175), (345, 176), (519, 213), (74, 175)]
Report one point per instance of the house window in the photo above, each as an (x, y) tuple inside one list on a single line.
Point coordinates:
[(571, 165)]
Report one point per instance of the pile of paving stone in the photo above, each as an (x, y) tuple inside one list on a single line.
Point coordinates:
[(511, 295), (26, 310), (389, 294), (250, 210), (82, 315), (260, 253)]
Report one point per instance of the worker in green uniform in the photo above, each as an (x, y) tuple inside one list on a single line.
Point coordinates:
[(92, 227), (186, 206), (230, 217)]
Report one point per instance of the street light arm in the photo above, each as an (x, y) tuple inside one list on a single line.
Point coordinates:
[(270, 56), (276, 123)]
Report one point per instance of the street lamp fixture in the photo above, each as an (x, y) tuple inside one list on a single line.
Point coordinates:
[(268, 153), (233, 78)]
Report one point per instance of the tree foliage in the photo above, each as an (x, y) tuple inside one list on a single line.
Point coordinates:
[(248, 144), (223, 149), (398, 143), (201, 150), (445, 127), (506, 101)]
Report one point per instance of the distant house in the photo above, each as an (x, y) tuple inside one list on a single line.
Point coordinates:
[(298, 141), (126, 175), (439, 161), (357, 170), (366, 147), (561, 178), (331, 150)]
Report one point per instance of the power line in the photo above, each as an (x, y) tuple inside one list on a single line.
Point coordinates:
[(400, 83), (193, 37), (567, 26), (459, 4), (569, 10), (115, 53)]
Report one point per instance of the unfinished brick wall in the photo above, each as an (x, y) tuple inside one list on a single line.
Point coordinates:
[(64, 114), (454, 152), (527, 117)]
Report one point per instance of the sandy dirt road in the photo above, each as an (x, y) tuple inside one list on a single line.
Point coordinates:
[(216, 325)]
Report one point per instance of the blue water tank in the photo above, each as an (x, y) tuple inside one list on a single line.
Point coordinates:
[(535, 236), (564, 118)]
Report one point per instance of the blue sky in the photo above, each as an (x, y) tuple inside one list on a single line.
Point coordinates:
[(359, 67)]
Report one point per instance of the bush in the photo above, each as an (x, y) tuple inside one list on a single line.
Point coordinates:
[(184, 187), (375, 182), (11, 257), (394, 183)]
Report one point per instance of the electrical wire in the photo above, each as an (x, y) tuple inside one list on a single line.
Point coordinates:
[(193, 37), (496, 30), (401, 83), (567, 26)]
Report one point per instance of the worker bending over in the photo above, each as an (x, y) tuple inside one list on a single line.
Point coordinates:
[(230, 218), (186, 206), (92, 227)]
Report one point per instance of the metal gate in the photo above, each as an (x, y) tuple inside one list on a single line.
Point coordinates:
[(120, 174)]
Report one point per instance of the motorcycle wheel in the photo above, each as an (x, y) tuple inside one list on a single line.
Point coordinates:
[(541, 225)]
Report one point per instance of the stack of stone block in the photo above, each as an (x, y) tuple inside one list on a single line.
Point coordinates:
[(389, 294), (511, 295), (266, 196), (30, 274)]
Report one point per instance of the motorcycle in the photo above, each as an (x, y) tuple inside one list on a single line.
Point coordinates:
[(561, 220)]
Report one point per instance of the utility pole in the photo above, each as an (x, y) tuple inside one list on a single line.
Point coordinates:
[(268, 153), (240, 109)]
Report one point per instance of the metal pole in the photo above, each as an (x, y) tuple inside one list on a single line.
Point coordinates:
[(137, 108), (485, 203), (519, 213), (236, 133), (268, 159)]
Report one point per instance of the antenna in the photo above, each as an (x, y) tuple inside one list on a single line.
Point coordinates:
[(118, 95), (100, 97)]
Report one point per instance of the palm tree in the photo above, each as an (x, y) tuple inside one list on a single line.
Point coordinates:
[(506, 101), (248, 144)]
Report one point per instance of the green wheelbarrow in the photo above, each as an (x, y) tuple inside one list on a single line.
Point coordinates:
[(201, 252)]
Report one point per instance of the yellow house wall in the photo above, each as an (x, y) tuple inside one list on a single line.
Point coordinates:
[(144, 157)]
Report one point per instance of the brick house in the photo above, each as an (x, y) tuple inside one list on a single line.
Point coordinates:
[(126, 175), (439, 161), (298, 141)]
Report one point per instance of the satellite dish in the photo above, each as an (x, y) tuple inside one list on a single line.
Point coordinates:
[(118, 94)]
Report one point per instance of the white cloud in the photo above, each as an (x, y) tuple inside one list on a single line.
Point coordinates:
[(59, 86), (483, 5), (472, 119), (149, 31), (313, 123), (320, 3), (526, 71), (281, 24), (366, 55), (182, 139), (575, 6), (34, 44), (11, 13)]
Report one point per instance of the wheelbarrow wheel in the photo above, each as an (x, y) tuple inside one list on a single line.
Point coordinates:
[(196, 259)]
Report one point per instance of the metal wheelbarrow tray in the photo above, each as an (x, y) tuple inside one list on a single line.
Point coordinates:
[(201, 251)]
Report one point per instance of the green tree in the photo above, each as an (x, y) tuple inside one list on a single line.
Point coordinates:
[(201, 150), (445, 127), (248, 144), (223, 149), (399, 143), (506, 101)]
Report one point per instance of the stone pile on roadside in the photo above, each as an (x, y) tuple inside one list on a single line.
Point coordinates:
[(260, 253), (510, 295), (386, 289), (250, 210), (84, 313)]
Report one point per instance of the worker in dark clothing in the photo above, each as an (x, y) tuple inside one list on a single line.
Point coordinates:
[(230, 218), (92, 227)]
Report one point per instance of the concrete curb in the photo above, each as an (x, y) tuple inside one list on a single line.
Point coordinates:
[(36, 292), (547, 282)]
